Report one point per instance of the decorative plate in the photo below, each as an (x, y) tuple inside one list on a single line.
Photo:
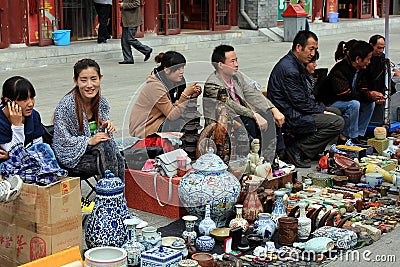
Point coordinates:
[(168, 240), (343, 161)]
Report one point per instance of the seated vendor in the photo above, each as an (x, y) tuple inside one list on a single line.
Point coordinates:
[(21, 130), (83, 140), (160, 103)]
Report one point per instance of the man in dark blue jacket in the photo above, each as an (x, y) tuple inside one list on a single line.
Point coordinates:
[(310, 121)]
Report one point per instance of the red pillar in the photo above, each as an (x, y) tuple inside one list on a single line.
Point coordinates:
[(150, 16), (18, 21)]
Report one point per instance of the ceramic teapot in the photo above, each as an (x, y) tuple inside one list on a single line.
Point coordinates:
[(209, 183), (105, 225), (354, 173)]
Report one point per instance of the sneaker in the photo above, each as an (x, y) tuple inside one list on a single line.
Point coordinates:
[(10, 188)]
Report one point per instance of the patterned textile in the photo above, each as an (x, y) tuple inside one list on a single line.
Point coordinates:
[(343, 238), (31, 166)]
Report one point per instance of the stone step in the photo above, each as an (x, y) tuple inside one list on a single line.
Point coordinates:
[(13, 58)]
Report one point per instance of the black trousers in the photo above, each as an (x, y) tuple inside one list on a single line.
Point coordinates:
[(104, 13), (328, 130)]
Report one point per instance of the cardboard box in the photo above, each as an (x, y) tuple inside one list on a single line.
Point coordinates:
[(380, 145), (140, 194), (43, 220)]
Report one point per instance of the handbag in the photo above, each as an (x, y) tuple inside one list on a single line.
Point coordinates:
[(167, 165)]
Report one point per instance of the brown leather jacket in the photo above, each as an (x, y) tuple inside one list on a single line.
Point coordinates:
[(131, 13)]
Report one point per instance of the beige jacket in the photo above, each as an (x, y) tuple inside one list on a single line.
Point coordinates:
[(152, 107), (131, 13), (252, 99)]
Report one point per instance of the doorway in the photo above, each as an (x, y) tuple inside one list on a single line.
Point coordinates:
[(4, 24)]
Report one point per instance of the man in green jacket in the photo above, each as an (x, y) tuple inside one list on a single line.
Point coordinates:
[(131, 19)]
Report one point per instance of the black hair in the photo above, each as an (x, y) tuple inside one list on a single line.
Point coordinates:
[(343, 49), (374, 39), (353, 49), (17, 88), (170, 59), (218, 54), (302, 37)]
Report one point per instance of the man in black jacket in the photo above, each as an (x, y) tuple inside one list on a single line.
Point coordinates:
[(309, 120)]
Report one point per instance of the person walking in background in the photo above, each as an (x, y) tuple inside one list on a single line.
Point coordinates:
[(104, 13), (131, 19), (302, 3)]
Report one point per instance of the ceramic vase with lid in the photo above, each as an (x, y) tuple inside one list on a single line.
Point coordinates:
[(207, 224), (279, 208), (133, 248), (265, 226), (189, 235), (209, 183), (105, 225), (150, 237), (239, 221), (304, 223), (252, 205)]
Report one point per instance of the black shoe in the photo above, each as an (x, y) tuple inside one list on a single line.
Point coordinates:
[(341, 141), (294, 155), (126, 62), (147, 56), (101, 41)]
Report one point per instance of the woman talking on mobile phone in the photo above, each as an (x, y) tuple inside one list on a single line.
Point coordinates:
[(21, 130)]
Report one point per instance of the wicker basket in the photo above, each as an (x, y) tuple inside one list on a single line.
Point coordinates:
[(379, 145), (320, 179)]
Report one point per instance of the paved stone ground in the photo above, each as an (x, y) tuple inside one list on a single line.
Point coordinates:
[(122, 82)]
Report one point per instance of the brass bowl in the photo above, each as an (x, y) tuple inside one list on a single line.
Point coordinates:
[(220, 234)]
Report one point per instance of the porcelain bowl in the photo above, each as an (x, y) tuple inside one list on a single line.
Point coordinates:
[(220, 234), (106, 256), (254, 239)]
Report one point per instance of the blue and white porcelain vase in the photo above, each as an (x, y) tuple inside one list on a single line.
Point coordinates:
[(265, 226), (207, 224), (279, 208), (205, 243), (209, 183), (133, 248), (105, 225), (150, 237), (189, 235), (304, 223)]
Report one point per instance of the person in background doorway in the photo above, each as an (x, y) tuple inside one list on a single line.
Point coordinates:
[(104, 14), (131, 20)]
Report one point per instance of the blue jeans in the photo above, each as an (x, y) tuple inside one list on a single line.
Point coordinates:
[(356, 115)]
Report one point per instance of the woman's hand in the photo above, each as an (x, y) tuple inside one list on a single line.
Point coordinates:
[(4, 155), (99, 137), (192, 90), (15, 113), (109, 126)]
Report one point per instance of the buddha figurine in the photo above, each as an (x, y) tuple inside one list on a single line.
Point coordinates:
[(254, 157)]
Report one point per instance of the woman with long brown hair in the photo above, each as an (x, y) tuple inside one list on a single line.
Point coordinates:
[(83, 141)]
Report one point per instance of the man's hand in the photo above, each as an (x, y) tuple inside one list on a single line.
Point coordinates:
[(378, 97), (278, 117), (261, 122)]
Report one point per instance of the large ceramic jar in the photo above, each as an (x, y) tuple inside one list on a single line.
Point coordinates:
[(265, 226), (105, 225), (209, 183)]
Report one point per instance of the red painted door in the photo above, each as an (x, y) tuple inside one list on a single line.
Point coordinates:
[(169, 17), (4, 38), (221, 17), (46, 21)]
